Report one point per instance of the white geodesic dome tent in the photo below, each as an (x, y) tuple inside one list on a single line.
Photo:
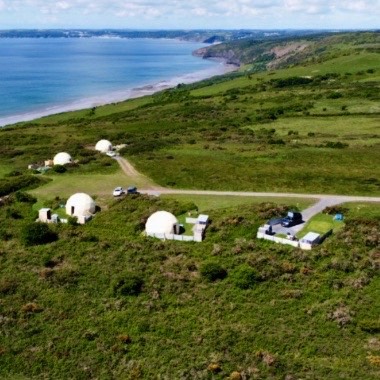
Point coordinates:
[(161, 222), (80, 204), (62, 158), (103, 146)]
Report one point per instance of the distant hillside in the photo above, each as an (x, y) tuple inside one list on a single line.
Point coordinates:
[(201, 35), (284, 51)]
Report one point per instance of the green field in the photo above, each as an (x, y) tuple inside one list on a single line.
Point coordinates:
[(211, 202)]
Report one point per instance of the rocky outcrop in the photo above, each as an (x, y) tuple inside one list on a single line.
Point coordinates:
[(228, 56)]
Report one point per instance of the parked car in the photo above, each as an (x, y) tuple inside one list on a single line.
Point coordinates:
[(118, 191), (292, 219), (111, 153), (132, 190)]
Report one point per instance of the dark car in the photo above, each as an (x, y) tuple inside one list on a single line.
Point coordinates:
[(292, 219), (132, 190)]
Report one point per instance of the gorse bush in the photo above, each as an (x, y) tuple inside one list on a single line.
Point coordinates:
[(129, 284), (59, 169), (12, 184), (25, 197), (244, 277), (212, 271), (37, 233)]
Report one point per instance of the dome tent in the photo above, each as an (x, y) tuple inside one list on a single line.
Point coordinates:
[(80, 204), (161, 222), (103, 146), (62, 158)]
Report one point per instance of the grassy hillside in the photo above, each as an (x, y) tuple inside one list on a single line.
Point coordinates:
[(285, 50), (309, 128), (104, 302)]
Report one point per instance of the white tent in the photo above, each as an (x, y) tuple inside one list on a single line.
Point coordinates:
[(62, 158), (103, 146), (161, 222), (80, 204)]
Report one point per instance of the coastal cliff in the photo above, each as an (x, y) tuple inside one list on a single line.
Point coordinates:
[(280, 52), (228, 56)]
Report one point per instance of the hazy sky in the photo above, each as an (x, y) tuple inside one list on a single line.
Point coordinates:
[(182, 14)]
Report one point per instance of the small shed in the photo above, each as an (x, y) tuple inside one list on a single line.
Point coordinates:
[(203, 220), (310, 240), (44, 215)]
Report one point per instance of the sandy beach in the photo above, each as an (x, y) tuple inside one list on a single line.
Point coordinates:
[(119, 96)]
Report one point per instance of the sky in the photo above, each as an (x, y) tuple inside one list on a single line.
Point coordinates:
[(190, 14)]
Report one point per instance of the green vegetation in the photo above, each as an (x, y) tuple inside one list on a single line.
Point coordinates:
[(37, 233), (321, 223), (284, 130), (213, 202), (104, 301)]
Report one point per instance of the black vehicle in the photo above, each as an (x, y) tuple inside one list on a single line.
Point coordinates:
[(292, 219), (132, 190)]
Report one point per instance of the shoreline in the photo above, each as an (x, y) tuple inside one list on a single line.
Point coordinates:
[(120, 95)]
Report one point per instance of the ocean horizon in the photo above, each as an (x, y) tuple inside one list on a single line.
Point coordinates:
[(41, 77)]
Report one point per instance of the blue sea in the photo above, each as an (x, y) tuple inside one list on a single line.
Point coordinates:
[(44, 76)]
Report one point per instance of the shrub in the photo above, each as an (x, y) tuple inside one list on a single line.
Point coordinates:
[(37, 233), (212, 271), (72, 221), (336, 145), (244, 277), (128, 285), (31, 308), (13, 173), (8, 286), (11, 213), (338, 209), (371, 326), (59, 168), (334, 95), (25, 197), (12, 184)]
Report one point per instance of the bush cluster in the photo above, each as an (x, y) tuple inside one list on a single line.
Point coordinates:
[(12, 184), (37, 233), (244, 277), (129, 284), (212, 271)]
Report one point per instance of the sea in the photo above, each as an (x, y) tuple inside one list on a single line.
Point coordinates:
[(43, 76)]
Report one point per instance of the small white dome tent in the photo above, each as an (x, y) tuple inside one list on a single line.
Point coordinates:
[(80, 205), (62, 158), (103, 146), (161, 222)]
